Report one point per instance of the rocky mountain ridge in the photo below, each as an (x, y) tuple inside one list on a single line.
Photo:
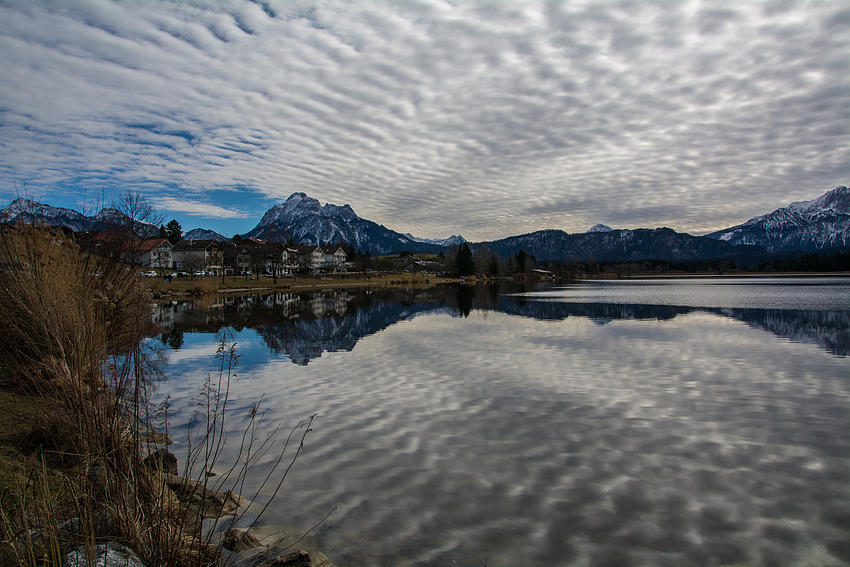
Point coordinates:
[(453, 240), (619, 245), (804, 225), (204, 234), (305, 220), (108, 218)]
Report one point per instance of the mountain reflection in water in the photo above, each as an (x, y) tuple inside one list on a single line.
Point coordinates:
[(552, 426), (304, 325)]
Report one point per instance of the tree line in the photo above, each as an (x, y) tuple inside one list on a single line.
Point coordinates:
[(463, 261)]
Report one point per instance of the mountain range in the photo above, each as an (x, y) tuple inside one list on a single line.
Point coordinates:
[(620, 245), (807, 225), (109, 218), (818, 224)]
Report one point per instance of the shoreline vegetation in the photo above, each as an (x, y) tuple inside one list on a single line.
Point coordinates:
[(481, 268), (234, 284), (84, 468), (212, 285)]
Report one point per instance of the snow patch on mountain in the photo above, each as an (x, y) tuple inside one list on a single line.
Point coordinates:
[(204, 234), (108, 218), (306, 221), (453, 240), (821, 223), (27, 210), (600, 228)]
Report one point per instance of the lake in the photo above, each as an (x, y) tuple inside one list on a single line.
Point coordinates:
[(682, 422)]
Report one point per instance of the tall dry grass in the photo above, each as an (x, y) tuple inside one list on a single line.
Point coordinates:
[(203, 286), (72, 324)]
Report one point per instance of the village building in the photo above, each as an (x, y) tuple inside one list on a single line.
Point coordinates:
[(238, 260), (279, 259), (317, 260), (153, 253), (198, 256)]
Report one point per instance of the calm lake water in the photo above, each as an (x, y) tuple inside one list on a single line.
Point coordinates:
[(641, 422)]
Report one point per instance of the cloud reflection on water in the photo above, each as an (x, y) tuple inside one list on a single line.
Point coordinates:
[(304, 326), (669, 436)]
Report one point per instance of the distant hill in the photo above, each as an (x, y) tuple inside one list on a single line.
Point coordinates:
[(453, 240), (808, 225), (619, 245), (204, 234)]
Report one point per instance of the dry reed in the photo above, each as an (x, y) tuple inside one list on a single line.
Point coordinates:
[(73, 324)]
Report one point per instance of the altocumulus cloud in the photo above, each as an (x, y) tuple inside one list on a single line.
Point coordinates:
[(194, 208), (486, 118)]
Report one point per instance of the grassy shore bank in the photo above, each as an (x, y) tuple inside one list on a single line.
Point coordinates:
[(235, 284)]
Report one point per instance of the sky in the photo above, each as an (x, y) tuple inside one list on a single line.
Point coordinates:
[(486, 119)]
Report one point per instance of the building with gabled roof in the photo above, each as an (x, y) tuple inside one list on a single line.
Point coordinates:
[(198, 255), (154, 253)]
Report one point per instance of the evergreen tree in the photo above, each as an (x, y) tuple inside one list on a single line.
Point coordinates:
[(465, 264), (495, 265), (522, 260), (174, 231)]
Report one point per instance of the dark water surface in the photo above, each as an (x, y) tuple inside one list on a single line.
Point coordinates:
[(675, 422)]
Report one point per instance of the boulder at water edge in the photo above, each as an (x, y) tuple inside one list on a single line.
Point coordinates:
[(111, 554)]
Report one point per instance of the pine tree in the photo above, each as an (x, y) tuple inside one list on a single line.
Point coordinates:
[(465, 264), (495, 265), (174, 231), (522, 261)]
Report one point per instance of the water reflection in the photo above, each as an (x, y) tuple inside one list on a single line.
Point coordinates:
[(303, 325), (480, 422)]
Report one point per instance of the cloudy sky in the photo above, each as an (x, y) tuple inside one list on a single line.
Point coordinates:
[(485, 119)]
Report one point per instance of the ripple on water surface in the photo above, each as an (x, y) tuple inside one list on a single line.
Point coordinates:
[(691, 441)]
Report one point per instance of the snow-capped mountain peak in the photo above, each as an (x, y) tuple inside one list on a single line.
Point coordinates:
[(108, 218), (600, 228), (821, 223), (306, 221), (28, 210), (204, 234), (453, 240), (344, 212), (23, 205), (837, 200)]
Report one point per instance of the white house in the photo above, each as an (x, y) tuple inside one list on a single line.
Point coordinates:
[(151, 253)]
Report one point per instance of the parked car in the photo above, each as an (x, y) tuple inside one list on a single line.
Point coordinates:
[(150, 274), (198, 274)]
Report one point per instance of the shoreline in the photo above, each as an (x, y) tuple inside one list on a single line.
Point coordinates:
[(723, 275), (212, 285)]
